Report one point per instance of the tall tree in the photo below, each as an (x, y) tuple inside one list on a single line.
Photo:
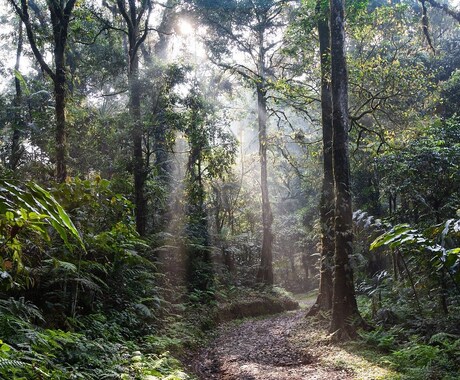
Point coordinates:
[(251, 29), (136, 17), (344, 307), (166, 76), (18, 123), (324, 300), (60, 13)]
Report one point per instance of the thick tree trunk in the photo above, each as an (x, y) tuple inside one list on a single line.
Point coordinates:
[(324, 300), (60, 17), (265, 272), (60, 97), (345, 313)]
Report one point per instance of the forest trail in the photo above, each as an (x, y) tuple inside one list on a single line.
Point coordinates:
[(277, 347)]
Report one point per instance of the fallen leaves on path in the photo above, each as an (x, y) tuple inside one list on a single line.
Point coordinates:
[(265, 349)]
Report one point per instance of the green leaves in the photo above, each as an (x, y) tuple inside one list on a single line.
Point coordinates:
[(35, 204), (437, 241), (397, 236)]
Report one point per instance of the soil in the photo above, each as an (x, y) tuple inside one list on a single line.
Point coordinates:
[(280, 347)]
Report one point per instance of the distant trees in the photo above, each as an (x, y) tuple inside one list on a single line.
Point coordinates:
[(211, 153), (252, 30)]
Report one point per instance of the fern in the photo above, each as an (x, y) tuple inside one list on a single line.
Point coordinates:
[(10, 364), (21, 309)]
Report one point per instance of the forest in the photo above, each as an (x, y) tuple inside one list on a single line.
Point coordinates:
[(230, 189)]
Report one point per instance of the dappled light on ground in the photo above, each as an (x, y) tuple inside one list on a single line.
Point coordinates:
[(281, 347)]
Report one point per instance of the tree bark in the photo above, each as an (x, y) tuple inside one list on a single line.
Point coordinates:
[(345, 313), (18, 121), (133, 17), (165, 31), (60, 96), (324, 300), (265, 272), (139, 169), (160, 143)]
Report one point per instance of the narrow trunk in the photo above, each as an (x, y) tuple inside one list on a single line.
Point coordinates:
[(265, 272), (200, 275), (345, 313), (134, 14), (139, 170), (324, 300), (18, 122), (60, 13), (164, 168), (160, 140)]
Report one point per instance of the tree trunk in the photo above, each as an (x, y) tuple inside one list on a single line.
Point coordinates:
[(164, 169), (345, 313), (60, 18), (133, 16), (60, 97), (165, 31), (265, 272), (324, 300), (200, 274), (139, 169), (18, 121)]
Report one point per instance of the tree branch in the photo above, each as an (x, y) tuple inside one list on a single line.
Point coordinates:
[(23, 13), (445, 8)]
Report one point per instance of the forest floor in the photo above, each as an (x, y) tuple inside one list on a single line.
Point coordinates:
[(284, 346)]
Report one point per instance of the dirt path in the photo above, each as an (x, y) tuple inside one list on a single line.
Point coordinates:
[(275, 348)]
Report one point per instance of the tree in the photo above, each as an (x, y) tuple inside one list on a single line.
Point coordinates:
[(344, 306), (211, 153), (251, 28), (18, 124), (324, 300), (60, 13), (443, 6), (136, 18)]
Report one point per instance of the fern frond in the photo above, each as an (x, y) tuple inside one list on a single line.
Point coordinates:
[(9, 364)]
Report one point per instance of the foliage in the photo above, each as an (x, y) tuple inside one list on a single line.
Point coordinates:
[(24, 216), (423, 174), (112, 288)]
